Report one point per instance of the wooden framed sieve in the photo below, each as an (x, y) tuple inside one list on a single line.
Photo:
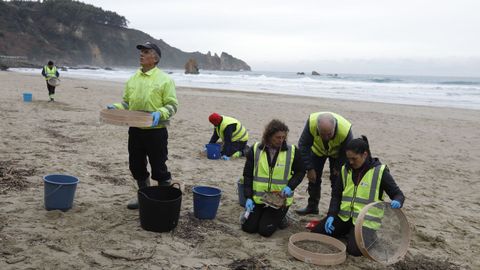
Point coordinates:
[(382, 234), (128, 118), (316, 258)]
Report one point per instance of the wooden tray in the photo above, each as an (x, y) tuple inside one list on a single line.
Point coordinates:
[(313, 257), (126, 118), (405, 240), (274, 200)]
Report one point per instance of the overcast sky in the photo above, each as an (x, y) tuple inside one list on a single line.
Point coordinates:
[(436, 37)]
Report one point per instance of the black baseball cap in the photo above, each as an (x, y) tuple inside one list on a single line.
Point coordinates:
[(149, 45)]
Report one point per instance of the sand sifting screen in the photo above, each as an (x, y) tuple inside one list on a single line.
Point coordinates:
[(382, 233)]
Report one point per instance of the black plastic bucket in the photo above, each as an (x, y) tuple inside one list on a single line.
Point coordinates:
[(159, 208)]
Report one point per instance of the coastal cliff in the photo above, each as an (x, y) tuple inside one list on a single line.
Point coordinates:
[(74, 34)]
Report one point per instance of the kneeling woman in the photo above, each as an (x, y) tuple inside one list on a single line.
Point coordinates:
[(271, 165), (363, 180)]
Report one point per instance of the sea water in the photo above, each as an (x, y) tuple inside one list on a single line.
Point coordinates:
[(453, 92)]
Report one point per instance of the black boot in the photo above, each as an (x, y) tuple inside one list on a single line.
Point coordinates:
[(165, 183), (313, 199), (284, 223), (312, 207), (133, 203)]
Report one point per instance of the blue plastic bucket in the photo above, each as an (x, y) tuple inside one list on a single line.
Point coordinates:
[(27, 97), (213, 150), (206, 201), (241, 195), (59, 191)]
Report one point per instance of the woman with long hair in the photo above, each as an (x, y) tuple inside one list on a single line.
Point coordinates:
[(271, 166)]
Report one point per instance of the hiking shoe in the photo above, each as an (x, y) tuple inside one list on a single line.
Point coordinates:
[(307, 210), (165, 183), (133, 204)]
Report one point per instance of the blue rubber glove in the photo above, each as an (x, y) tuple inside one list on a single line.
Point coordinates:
[(156, 118), (249, 205), (224, 157), (111, 107), (395, 204), (287, 192), (329, 225)]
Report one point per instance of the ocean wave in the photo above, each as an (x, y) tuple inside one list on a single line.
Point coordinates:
[(383, 80), (460, 83), (458, 93)]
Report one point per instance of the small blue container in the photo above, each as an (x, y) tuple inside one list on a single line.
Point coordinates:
[(206, 201), (59, 191), (213, 150), (27, 97)]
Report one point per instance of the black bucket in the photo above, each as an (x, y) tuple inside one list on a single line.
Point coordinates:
[(159, 208)]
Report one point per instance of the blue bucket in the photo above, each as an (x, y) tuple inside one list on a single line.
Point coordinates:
[(213, 150), (27, 97), (241, 195), (59, 191), (206, 201)]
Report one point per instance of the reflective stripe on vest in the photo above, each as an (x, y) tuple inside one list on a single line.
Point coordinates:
[(240, 133), (343, 127), (50, 72), (271, 179), (354, 198)]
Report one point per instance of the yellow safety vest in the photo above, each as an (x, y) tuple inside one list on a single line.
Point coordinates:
[(267, 179), (343, 127), (240, 133), (355, 197), (50, 72), (151, 91)]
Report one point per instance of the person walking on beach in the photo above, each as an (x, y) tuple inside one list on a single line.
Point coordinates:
[(233, 134), (50, 71), (150, 90), (362, 180), (324, 137), (271, 166)]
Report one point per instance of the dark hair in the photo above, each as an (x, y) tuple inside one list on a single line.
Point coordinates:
[(359, 146), (50, 63), (273, 127)]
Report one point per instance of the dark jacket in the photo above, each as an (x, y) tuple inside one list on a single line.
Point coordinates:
[(227, 138), (297, 169), (387, 184), (306, 141)]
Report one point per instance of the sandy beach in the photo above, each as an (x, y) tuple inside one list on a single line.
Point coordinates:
[(433, 154)]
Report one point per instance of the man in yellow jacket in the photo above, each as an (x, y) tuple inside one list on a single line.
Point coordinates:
[(324, 137), (50, 71), (150, 90), (233, 134)]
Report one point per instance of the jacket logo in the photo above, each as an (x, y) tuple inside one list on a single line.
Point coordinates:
[(363, 184), (280, 165)]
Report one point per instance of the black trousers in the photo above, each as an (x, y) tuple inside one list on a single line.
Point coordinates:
[(314, 189), (234, 147), (151, 144), (51, 89), (264, 220), (346, 229)]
